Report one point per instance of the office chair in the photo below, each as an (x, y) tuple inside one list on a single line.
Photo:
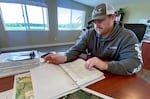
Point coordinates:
[(138, 29)]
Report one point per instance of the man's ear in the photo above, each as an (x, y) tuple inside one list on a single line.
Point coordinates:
[(113, 16)]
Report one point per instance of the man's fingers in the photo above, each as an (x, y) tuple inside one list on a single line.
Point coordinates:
[(50, 59), (47, 58), (89, 65)]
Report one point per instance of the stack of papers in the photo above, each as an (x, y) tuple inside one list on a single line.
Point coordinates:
[(17, 62)]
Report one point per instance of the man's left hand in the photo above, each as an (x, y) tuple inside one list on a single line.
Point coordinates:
[(96, 62)]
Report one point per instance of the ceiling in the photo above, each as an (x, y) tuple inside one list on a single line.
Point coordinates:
[(113, 2)]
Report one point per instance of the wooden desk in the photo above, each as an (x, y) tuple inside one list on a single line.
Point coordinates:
[(119, 87), (123, 87), (6, 83)]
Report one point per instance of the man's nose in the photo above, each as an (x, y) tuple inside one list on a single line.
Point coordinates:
[(98, 25)]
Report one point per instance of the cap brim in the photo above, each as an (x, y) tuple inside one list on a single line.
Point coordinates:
[(96, 18)]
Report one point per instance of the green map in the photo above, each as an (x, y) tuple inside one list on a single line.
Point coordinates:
[(23, 87), (81, 95)]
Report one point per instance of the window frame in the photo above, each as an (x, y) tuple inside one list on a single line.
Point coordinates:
[(26, 20)]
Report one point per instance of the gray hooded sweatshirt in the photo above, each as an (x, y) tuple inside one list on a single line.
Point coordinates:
[(121, 49)]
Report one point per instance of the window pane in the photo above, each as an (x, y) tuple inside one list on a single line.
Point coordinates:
[(12, 16), (35, 18), (24, 17), (70, 19), (77, 19), (63, 18)]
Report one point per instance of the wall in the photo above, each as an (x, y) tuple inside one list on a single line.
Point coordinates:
[(32, 39), (136, 11)]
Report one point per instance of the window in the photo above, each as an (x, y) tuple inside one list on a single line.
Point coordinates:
[(69, 19), (23, 17)]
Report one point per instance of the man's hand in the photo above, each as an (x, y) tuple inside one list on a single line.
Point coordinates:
[(96, 62), (55, 59)]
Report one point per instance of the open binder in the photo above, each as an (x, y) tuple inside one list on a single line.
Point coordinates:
[(54, 81)]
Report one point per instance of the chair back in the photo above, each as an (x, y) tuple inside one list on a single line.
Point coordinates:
[(138, 29)]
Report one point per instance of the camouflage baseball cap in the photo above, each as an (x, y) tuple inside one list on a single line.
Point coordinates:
[(101, 11)]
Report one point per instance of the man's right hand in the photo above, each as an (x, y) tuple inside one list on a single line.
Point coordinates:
[(55, 59)]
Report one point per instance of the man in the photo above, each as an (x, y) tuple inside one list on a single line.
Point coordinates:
[(113, 48)]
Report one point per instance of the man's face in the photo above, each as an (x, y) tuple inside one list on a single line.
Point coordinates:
[(104, 26)]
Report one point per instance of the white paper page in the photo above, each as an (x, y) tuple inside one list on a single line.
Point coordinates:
[(50, 81), (80, 74), (6, 94), (96, 93)]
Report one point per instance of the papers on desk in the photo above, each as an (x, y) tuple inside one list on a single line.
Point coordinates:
[(17, 62), (53, 81), (23, 90), (47, 81), (6, 94)]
